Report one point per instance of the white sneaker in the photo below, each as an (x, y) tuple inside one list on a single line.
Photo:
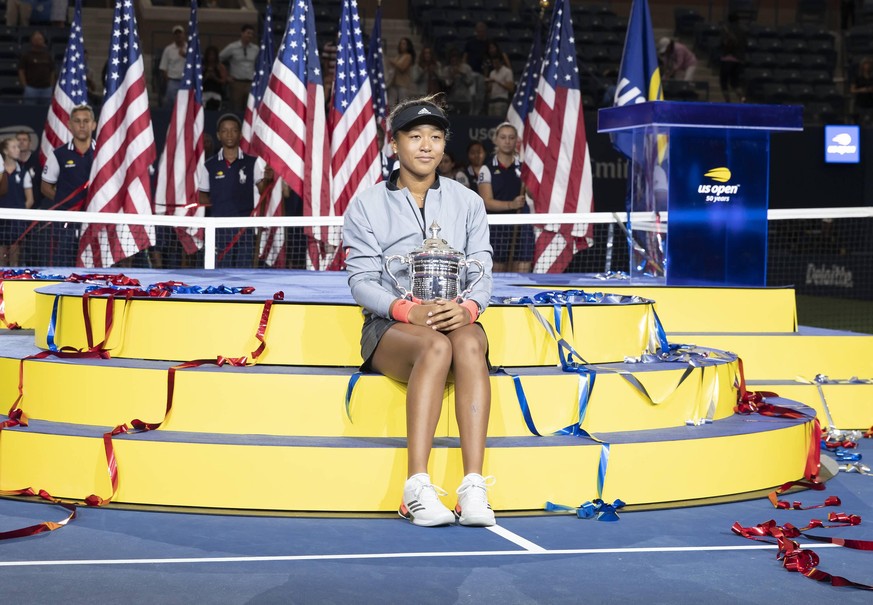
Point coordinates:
[(421, 503), (473, 508)]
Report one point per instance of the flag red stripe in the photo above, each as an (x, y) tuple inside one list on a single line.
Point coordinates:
[(364, 163), (283, 131)]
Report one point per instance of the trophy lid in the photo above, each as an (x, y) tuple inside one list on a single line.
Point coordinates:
[(436, 246)]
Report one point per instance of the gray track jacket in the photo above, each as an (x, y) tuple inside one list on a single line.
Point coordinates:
[(384, 220)]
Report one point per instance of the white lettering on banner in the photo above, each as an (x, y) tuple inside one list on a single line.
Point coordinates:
[(718, 189), (624, 97), (718, 193), (842, 149), (610, 170), (835, 275)]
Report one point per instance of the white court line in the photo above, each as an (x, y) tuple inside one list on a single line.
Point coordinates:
[(516, 539), (399, 555)]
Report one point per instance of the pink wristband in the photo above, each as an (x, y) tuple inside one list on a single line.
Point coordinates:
[(473, 308), (401, 309)]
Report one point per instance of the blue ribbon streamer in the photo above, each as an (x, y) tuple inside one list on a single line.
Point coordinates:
[(596, 508), (574, 429), (352, 382), (186, 289), (52, 327), (562, 297), (33, 274), (522, 402), (844, 455), (663, 345), (602, 468)]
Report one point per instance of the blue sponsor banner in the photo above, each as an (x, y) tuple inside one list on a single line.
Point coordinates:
[(842, 144)]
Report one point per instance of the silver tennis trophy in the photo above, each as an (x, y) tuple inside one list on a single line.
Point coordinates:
[(434, 270)]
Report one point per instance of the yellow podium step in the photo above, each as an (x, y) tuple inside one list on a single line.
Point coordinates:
[(318, 334), (709, 309), (784, 356), (367, 474), (271, 400), (849, 405)]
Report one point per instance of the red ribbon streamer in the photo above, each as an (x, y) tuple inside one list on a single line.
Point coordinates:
[(76, 207), (17, 417), (262, 324), (801, 560), (113, 279), (139, 426), (39, 528)]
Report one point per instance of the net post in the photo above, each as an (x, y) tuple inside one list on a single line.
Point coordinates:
[(209, 245)]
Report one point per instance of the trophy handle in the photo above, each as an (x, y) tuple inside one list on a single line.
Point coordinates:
[(468, 262), (397, 257)]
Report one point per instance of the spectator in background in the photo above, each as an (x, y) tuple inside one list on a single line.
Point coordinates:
[(227, 182), (500, 82), (36, 69), (18, 12), (18, 195), (608, 81), (862, 92), (402, 84), (475, 158), (33, 254), (501, 188), (215, 78), (474, 55), (65, 180), (449, 169), (458, 80), (172, 65), (492, 54), (677, 61), (240, 57), (475, 49), (428, 76), (29, 161), (732, 58)]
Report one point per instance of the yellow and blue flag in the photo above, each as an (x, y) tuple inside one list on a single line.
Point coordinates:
[(639, 79)]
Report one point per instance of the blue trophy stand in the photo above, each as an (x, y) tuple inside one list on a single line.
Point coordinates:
[(708, 166)]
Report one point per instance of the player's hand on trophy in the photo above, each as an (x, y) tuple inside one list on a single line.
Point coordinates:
[(446, 315)]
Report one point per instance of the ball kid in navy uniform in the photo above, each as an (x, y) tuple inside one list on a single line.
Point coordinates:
[(500, 186), (227, 188), (18, 195), (65, 180)]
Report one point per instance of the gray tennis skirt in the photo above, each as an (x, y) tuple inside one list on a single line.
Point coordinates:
[(373, 331)]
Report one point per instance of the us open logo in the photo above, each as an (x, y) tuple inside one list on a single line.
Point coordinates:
[(718, 193)]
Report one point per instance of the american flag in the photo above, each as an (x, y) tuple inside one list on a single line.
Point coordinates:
[(272, 240), (525, 93), (259, 81), (376, 63), (289, 131), (71, 90), (125, 151), (557, 165), (178, 187), (355, 163)]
